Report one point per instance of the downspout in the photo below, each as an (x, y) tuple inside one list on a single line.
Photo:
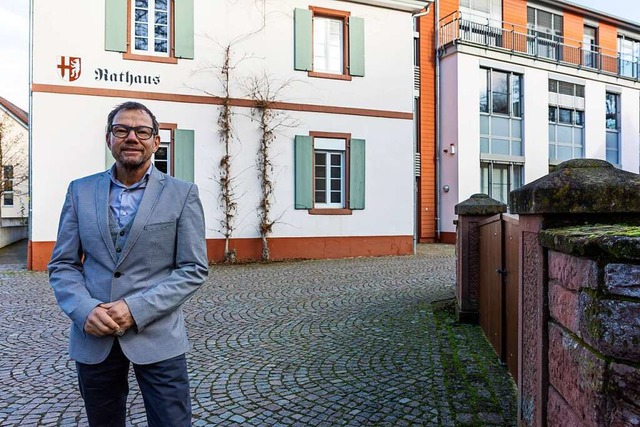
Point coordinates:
[(30, 149), (438, 165), (416, 140)]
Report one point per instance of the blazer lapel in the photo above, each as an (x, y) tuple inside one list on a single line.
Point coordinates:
[(102, 209), (149, 199)]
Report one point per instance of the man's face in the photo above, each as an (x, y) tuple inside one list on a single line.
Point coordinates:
[(132, 152)]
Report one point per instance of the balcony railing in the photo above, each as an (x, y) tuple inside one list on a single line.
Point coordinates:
[(456, 28)]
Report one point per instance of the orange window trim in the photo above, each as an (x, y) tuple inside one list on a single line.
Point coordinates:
[(331, 211), (334, 14), (171, 59)]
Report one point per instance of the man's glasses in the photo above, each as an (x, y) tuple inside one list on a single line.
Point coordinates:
[(122, 131)]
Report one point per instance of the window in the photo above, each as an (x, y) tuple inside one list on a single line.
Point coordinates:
[(482, 21), (150, 30), (328, 43), (150, 23), (501, 152), (590, 47), (544, 33), (329, 173), (566, 121), (497, 179), (7, 190), (628, 54), (500, 112), (613, 127), (162, 158)]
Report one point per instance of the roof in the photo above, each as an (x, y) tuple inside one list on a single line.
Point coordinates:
[(412, 6), (16, 112), (594, 13)]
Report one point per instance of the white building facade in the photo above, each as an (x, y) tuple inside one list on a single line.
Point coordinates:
[(338, 76)]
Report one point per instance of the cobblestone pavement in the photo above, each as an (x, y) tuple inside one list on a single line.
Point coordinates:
[(354, 342)]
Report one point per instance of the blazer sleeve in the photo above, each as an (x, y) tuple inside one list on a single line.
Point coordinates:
[(191, 268), (66, 269)]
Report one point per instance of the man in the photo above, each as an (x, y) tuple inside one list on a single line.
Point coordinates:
[(130, 251)]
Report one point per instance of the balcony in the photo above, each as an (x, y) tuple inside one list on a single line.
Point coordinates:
[(528, 42)]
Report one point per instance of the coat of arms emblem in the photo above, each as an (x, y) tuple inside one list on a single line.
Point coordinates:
[(69, 67)]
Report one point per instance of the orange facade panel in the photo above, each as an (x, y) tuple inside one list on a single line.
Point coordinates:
[(608, 41), (573, 31), (514, 17)]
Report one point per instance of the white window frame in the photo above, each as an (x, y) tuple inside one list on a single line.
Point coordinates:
[(329, 147), (8, 194), (150, 26), (325, 43)]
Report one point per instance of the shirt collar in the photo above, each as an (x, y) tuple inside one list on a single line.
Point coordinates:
[(114, 180)]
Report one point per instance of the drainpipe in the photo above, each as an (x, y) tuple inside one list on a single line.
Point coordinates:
[(415, 147), (438, 165), (29, 138)]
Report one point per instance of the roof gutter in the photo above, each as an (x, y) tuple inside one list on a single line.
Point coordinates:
[(413, 6)]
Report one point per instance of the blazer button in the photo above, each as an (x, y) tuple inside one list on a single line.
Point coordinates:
[(122, 233), (117, 274), (118, 250)]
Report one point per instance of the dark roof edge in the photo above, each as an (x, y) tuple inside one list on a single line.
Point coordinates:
[(16, 112)]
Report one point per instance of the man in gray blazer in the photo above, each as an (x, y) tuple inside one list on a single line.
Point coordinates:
[(130, 251)]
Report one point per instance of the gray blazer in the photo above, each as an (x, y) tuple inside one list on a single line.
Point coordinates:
[(162, 263)]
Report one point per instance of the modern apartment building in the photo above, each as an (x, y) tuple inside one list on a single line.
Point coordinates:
[(514, 88), (335, 79)]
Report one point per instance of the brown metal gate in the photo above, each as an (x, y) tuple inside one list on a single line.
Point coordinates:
[(499, 286)]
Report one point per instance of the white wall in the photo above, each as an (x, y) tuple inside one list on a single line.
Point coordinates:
[(536, 124)]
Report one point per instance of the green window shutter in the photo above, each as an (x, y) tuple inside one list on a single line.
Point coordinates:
[(108, 157), (303, 42), (183, 150), (303, 172), (184, 29), (356, 174), (356, 46), (115, 33)]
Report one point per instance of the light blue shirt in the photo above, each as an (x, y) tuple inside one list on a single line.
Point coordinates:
[(124, 201)]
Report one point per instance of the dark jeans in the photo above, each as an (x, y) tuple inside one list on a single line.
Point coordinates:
[(164, 386)]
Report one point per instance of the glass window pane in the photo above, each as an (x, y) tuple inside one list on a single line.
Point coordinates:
[(552, 151), (612, 157), (552, 133), (515, 96), (484, 145), (577, 136), (499, 126), (500, 92), (321, 184), (336, 159), (564, 134), (577, 152), (612, 111), (142, 15), (142, 30), (320, 197), (578, 118), (336, 197), (320, 171), (484, 178), (517, 177), (612, 140), (141, 43), (161, 165), (484, 95), (553, 86), (484, 125), (335, 172), (161, 46), (516, 148), (142, 3), (161, 18), (553, 114), (161, 4), (564, 153), (564, 115), (161, 154), (500, 146), (161, 31), (336, 185), (516, 128)]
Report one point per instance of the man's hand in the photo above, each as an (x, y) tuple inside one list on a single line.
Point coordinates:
[(120, 313), (99, 323)]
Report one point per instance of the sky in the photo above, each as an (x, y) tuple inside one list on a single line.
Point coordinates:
[(14, 41)]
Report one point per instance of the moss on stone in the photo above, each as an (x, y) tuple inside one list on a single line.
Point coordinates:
[(618, 241)]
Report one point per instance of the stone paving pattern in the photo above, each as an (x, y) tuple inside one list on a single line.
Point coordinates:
[(355, 342)]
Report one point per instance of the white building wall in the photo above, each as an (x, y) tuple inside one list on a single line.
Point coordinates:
[(535, 123), (594, 116), (68, 130)]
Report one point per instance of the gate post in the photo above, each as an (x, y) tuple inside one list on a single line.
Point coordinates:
[(578, 192), (470, 212)]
